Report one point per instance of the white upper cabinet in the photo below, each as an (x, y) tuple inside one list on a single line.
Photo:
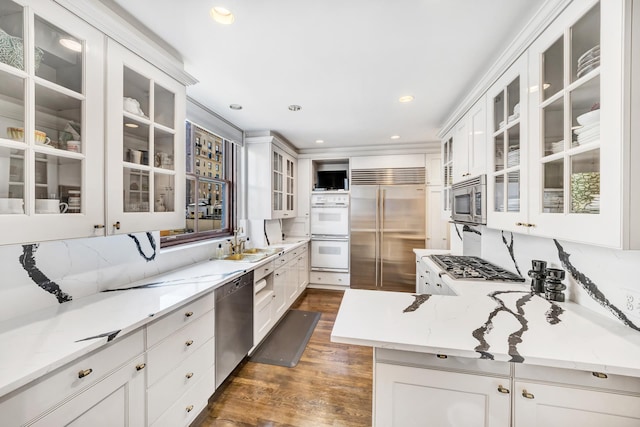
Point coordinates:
[(507, 175), (469, 151), (145, 145), (447, 172), (576, 98), (51, 124), (271, 175)]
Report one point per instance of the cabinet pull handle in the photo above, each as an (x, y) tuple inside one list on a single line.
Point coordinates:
[(266, 269), (98, 226), (441, 356), (189, 408), (84, 372), (527, 395), (503, 390), (519, 224), (530, 225), (117, 225), (188, 314), (189, 375), (599, 375), (140, 366), (188, 343)]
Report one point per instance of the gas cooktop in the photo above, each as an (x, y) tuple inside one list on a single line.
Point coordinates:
[(474, 268)]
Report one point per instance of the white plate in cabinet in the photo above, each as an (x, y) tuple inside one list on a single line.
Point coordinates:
[(169, 323), (170, 352), (263, 271), (167, 390), (19, 407), (190, 404)]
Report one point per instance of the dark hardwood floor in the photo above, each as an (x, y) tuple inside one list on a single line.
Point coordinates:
[(330, 386)]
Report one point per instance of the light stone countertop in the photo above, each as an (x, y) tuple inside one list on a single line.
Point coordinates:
[(41, 342)]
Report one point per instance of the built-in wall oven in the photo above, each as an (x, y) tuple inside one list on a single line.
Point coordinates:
[(330, 231), (469, 201)]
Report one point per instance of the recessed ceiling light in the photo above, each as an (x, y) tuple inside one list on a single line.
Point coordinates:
[(235, 106), (71, 44), (406, 98), (222, 15), (319, 141), (294, 107), (131, 125), (395, 137)]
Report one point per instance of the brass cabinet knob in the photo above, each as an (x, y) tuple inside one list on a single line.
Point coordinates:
[(117, 225), (98, 226), (441, 356), (84, 372), (503, 390), (519, 224), (527, 395), (188, 314), (141, 366), (188, 343), (189, 375), (189, 408), (599, 375)]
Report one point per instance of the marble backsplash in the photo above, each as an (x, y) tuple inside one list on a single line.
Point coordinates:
[(36, 276), (601, 279)]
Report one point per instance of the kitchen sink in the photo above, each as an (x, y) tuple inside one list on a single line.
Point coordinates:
[(253, 254)]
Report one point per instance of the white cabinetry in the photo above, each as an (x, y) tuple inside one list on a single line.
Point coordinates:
[(181, 355), (428, 280), (410, 395), (303, 184), (52, 110), (507, 177), (106, 382), (272, 168), (469, 151), (146, 155)]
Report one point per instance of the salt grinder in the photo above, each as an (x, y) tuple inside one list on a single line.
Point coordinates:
[(537, 274), (553, 285)]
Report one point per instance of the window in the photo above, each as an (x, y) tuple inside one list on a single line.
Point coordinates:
[(209, 203)]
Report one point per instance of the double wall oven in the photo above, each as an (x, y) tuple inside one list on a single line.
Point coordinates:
[(330, 232)]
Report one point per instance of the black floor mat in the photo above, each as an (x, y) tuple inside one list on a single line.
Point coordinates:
[(286, 343)]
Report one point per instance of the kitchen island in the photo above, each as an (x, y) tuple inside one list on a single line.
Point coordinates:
[(446, 355)]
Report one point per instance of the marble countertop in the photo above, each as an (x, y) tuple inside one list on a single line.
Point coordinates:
[(503, 324), (45, 340)]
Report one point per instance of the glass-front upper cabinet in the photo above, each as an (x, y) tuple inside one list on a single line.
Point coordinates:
[(51, 124), (576, 97), (146, 145), (447, 173), (507, 174)]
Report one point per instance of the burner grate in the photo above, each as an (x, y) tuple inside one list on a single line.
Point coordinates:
[(474, 268)]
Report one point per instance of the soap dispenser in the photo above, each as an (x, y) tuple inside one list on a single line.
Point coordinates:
[(219, 251)]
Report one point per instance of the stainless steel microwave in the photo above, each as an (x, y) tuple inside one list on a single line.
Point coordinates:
[(469, 201)]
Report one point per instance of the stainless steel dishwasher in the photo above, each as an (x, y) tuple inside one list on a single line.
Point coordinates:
[(234, 324)]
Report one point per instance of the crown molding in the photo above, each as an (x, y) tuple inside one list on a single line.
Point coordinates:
[(431, 147), (536, 25), (117, 24)]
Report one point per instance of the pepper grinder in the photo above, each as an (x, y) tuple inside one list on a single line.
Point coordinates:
[(553, 285), (537, 274)]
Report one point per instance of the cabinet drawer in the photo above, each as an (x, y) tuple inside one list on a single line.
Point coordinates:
[(601, 380), (190, 404), (25, 404), (167, 390), (263, 271), (174, 349), (329, 278), (281, 260), (171, 322), (442, 362)]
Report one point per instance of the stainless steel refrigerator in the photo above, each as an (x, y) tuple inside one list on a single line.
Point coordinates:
[(387, 223)]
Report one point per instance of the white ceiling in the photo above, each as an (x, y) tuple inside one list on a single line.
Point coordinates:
[(345, 62)]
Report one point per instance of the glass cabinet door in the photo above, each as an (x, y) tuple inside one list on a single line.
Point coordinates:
[(51, 122), (146, 157), (278, 180), (290, 186), (447, 171)]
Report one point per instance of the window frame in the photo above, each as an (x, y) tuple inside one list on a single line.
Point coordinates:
[(230, 165)]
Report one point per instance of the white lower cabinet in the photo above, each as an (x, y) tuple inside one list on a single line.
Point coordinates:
[(117, 400), (279, 292), (407, 396), (545, 405), (421, 389)]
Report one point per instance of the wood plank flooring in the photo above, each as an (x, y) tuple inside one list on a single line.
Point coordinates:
[(330, 386)]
